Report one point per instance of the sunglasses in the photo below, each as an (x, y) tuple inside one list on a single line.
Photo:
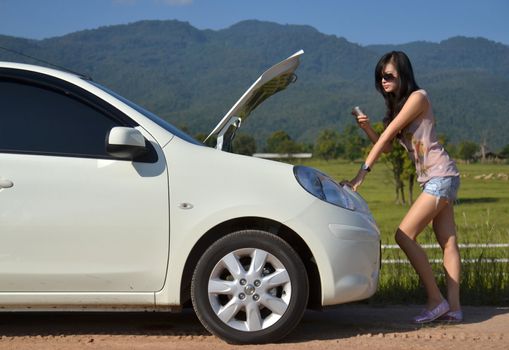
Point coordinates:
[(388, 77)]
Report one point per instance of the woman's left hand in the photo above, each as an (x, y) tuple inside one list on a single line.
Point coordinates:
[(357, 180)]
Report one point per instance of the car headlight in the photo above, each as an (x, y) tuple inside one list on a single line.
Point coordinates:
[(323, 187)]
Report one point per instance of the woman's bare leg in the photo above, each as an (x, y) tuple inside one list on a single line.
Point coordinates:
[(445, 232), (422, 212)]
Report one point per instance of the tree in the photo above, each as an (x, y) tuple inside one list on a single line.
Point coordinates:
[(409, 174), (328, 144), (505, 152), (401, 167), (467, 150), (352, 142), (244, 144), (281, 142), (210, 142), (396, 161), (452, 149)]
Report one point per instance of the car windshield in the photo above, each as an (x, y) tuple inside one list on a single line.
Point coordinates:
[(159, 121)]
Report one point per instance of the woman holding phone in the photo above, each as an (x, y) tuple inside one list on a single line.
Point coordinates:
[(409, 118)]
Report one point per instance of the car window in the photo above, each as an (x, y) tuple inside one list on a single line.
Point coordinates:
[(41, 120)]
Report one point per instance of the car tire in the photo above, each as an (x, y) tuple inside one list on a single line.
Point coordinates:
[(250, 287)]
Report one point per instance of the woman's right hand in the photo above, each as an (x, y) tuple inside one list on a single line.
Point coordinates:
[(362, 120)]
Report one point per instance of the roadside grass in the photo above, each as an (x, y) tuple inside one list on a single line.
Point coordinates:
[(482, 216)]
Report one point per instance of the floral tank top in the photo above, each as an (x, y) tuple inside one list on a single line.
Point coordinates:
[(420, 140)]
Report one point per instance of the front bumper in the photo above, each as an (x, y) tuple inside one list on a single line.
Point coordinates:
[(346, 247)]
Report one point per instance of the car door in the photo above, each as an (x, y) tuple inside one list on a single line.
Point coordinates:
[(72, 217)]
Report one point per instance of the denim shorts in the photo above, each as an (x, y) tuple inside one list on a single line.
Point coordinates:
[(443, 187)]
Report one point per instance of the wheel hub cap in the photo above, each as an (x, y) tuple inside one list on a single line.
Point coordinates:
[(249, 289)]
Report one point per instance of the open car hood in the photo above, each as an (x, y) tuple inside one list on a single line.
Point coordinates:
[(273, 80)]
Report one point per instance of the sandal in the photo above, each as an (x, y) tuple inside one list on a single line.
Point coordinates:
[(452, 317), (431, 315)]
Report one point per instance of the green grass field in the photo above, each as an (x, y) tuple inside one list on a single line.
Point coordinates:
[(482, 216)]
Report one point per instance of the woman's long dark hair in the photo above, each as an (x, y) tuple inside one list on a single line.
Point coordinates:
[(394, 101)]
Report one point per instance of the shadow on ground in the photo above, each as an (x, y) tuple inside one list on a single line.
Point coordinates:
[(338, 323), (356, 320)]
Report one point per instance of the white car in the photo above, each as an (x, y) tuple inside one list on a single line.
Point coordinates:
[(104, 206)]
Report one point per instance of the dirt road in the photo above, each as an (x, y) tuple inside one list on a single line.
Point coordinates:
[(347, 327)]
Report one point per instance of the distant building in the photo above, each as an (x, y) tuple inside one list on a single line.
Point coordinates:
[(487, 156), (283, 155)]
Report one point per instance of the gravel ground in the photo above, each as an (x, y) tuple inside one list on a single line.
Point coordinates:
[(345, 327)]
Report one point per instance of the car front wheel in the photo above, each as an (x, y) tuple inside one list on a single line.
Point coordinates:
[(250, 287)]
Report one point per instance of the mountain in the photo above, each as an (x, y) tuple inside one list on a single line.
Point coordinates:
[(192, 77)]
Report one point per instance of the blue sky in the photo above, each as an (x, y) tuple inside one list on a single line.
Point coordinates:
[(360, 21)]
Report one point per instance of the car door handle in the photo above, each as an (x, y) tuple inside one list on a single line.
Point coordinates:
[(4, 183)]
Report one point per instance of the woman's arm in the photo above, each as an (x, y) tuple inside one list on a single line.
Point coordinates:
[(414, 107), (364, 124)]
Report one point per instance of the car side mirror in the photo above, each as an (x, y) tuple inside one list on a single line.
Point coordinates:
[(125, 143)]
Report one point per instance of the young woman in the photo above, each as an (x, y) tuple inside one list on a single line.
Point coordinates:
[(410, 119)]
